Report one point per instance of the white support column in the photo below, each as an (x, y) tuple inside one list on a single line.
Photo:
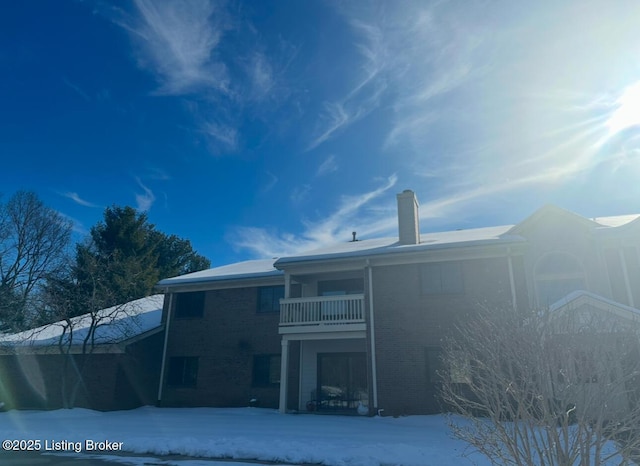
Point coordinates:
[(512, 282), (625, 272), (287, 285), (284, 375)]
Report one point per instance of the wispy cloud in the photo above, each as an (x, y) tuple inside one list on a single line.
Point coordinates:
[(158, 174), (627, 113), (300, 193), (353, 213), (224, 134), (261, 77), (408, 56), (435, 54), (188, 47), (76, 88), (145, 200), (329, 165), (76, 225), (335, 117), (178, 41), (364, 95), (371, 43), (269, 184), (339, 115), (78, 200)]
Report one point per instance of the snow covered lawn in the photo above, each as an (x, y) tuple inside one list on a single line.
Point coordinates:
[(249, 433)]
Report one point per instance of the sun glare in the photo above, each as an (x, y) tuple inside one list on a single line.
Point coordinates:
[(628, 112)]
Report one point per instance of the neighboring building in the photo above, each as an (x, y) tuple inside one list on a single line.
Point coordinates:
[(595, 341), (106, 360), (361, 323)]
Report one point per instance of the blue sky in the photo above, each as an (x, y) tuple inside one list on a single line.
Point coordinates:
[(261, 128)]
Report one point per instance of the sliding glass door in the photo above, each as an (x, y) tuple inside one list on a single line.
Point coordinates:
[(342, 381)]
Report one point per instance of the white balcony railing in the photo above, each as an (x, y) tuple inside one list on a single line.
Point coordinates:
[(322, 310)]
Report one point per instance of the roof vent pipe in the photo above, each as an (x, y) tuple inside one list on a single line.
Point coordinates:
[(408, 218)]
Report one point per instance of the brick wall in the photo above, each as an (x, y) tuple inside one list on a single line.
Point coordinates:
[(109, 381), (407, 322), (225, 340)]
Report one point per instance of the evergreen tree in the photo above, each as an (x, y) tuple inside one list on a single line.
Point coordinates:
[(122, 260), (176, 256)]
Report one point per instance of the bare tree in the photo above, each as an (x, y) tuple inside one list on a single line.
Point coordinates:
[(545, 388), (78, 336), (33, 243)]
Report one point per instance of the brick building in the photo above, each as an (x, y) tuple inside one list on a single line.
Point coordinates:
[(118, 368), (360, 325)]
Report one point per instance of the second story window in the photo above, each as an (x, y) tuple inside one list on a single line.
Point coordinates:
[(556, 275), (189, 305), (269, 298), (442, 278)]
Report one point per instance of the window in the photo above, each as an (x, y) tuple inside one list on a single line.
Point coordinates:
[(183, 371), (189, 305), (269, 298), (460, 367), (442, 278), (457, 369), (585, 367), (433, 360), (340, 287), (266, 370), (557, 275)]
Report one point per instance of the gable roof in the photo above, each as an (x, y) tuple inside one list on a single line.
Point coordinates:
[(617, 221), (428, 241), (608, 224), (260, 268), (505, 235), (578, 299), (117, 324), (549, 210)]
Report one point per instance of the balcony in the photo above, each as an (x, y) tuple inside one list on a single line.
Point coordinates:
[(322, 314)]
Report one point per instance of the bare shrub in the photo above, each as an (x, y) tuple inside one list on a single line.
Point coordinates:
[(545, 388)]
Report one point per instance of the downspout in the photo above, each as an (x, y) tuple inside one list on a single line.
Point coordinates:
[(164, 348), (372, 335)]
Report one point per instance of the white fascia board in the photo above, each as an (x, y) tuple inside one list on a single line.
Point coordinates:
[(432, 253), (224, 284)]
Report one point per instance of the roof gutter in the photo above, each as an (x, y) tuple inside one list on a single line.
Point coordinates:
[(402, 252)]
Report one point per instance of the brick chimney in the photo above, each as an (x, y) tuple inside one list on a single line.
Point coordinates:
[(408, 218)]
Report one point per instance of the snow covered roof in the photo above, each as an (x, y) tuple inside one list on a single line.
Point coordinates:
[(575, 299), (259, 268), (616, 220), (440, 240), (264, 268), (115, 324), (507, 234)]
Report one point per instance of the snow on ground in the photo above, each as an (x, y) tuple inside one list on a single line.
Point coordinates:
[(250, 433)]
